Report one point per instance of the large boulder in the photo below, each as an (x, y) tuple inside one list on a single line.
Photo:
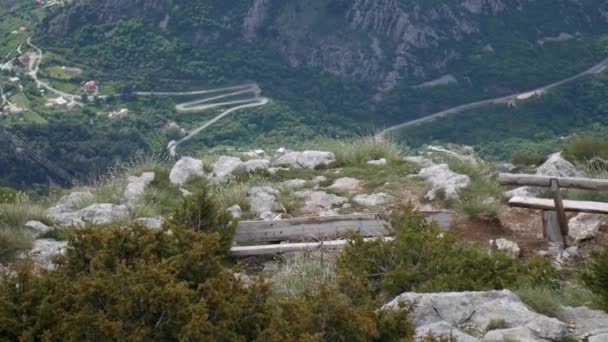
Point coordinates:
[(224, 166), (379, 162), (584, 226), (556, 166), (235, 211), (477, 310), (262, 200), (306, 159), (294, 184), (320, 202), (136, 186), (184, 169), (104, 213), (441, 178), (63, 211), (373, 200), (254, 165), (44, 250)]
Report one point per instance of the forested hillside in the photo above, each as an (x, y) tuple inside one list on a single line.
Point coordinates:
[(331, 68)]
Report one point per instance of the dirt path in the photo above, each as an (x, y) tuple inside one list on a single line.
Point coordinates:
[(596, 69)]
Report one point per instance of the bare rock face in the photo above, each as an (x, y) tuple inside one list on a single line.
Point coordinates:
[(263, 200), (37, 228), (320, 202), (346, 184), (441, 312), (224, 166), (44, 250), (585, 226), (151, 222), (307, 159), (136, 187), (587, 323), (441, 178), (373, 200), (556, 166), (184, 169)]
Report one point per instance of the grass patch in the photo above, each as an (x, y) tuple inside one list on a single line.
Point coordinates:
[(378, 176), (291, 204), (497, 324), (231, 193), (14, 215), (300, 273), (59, 234), (362, 150), (480, 200), (541, 299), (582, 149)]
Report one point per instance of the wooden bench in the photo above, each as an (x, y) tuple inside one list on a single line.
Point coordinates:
[(315, 232), (555, 223)]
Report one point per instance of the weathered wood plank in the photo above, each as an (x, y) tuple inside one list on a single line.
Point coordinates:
[(559, 208), (245, 251), (548, 204), (322, 228), (545, 181)]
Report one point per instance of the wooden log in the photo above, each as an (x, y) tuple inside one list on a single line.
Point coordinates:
[(245, 251), (551, 229), (549, 204), (545, 181), (323, 228), (559, 208)]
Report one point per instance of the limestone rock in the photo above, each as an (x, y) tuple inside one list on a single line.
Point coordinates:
[(294, 184), (224, 166), (509, 247), (136, 186), (373, 199), (63, 211), (443, 329), (584, 226), (104, 213), (477, 310), (317, 202), (557, 166), (422, 161), (37, 228), (254, 165), (262, 201), (151, 222), (379, 162), (235, 211), (587, 322), (44, 250), (442, 178), (307, 159), (346, 184), (185, 168)]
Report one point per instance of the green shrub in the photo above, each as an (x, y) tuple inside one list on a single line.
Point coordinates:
[(231, 193), (202, 213), (362, 150), (132, 283), (582, 149), (424, 258), (299, 274), (8, 195), (13, 241), (595, 276), (14, 215), (533, 159), (541, 299)]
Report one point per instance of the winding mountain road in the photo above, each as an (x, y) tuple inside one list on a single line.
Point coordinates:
[(34, 67), (594, 70), (200, 105)]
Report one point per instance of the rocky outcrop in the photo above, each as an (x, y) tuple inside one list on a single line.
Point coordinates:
[(373, 200), (294, 184), (442, 179), (45, 250), (136, 186), (306, 159), (346, 184), (262, 200), (585, 226), (557, 166), (453, 311), (588, 324), (37, 228), (184, 169), (224, 166), (320, 202), (151, 222)]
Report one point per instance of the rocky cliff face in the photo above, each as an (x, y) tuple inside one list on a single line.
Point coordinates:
[(381, 41)]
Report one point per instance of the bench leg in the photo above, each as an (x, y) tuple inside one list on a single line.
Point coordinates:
[(551, 227)]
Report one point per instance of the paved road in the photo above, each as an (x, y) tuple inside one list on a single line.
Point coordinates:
[(35, 67), (596, 69), (206, 103)]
